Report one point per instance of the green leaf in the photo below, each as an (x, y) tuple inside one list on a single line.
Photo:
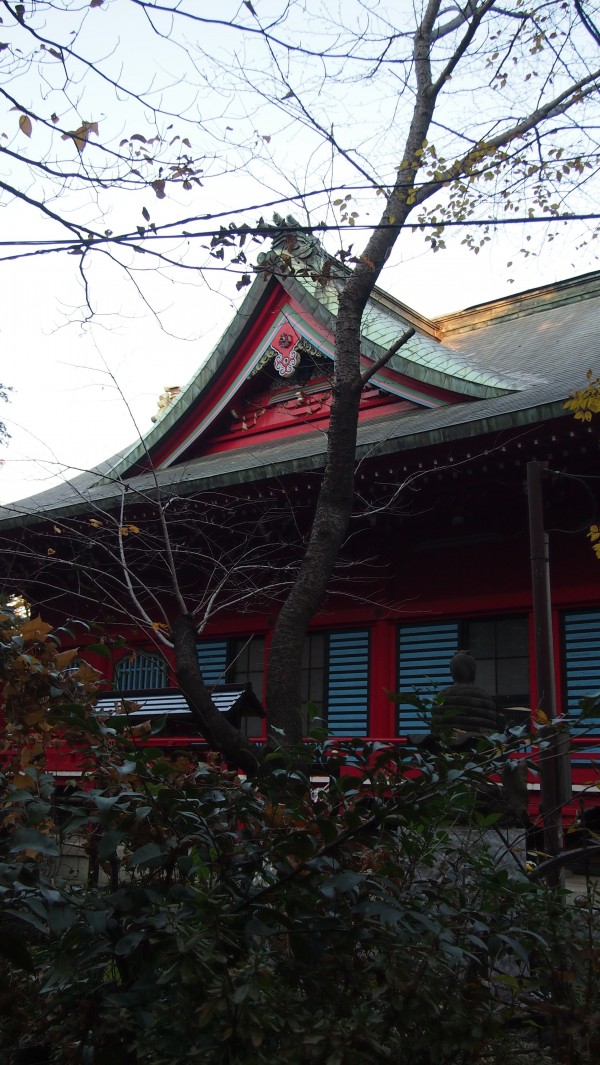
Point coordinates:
[(110, 841), (128, 943), (342, 883), (105, 802), (149, 853), (240, 994), (589, 706), (28, 839), (126, 768), (99, 649), (30, 918), (516, 947)]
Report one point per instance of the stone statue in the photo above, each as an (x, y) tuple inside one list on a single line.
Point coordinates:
[(467, 712), (465, 706)]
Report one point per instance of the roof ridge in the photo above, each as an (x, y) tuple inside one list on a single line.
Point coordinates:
[(520, 304)]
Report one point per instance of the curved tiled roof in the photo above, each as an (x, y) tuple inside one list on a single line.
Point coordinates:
[(518, 358)]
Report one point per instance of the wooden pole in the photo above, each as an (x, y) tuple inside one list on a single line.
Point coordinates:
[(552, 755)]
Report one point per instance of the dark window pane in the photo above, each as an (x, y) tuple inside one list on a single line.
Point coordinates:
[(513, 676), (313, 671), (247, 665), (485, 676), (247, 658), (481, 639), (500, 647), (512, 636)]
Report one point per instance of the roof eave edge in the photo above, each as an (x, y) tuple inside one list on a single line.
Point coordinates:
[(201, 379), (426, 438)]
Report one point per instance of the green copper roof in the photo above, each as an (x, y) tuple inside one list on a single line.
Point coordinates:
[(422, 357)]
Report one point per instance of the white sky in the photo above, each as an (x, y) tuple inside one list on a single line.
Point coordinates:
[(82, 391)]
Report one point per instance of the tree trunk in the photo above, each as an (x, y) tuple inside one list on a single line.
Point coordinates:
[(334, 504), (215, 726)]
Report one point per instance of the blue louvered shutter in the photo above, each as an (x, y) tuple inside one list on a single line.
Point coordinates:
[(212, 657), (582, 663), (424, 653), (140, 672), (347, 687)]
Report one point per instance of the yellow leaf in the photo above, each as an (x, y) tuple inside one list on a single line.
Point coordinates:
[(159, 626), (29, 754), (133, 528), (35, 717), (57, 529), (87, 673), (123, 531), (65, 658), (22, 780), (128, 707), (95, 523), (51, 551), (35, 629), (25, 125), (541, 717), (139, 732)]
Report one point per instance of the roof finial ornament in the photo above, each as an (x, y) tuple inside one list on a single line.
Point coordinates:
[(165, 399), (290, 237)]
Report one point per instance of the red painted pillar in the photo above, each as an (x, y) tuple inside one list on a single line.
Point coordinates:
[(382, 709)]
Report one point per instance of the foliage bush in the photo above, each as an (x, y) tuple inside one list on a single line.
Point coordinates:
[(233, 921)]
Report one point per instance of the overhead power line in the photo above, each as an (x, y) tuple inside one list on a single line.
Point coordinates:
[(271, 229)]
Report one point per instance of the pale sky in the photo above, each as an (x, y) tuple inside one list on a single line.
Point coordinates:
[(83, 390)]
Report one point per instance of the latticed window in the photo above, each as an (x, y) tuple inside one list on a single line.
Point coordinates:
[(581, 657), (236, 661), (500, 647), (140, 672), (424, 653), (312, 679), (334, 679)]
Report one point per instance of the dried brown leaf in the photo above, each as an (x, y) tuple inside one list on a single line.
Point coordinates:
[(80, 136)]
